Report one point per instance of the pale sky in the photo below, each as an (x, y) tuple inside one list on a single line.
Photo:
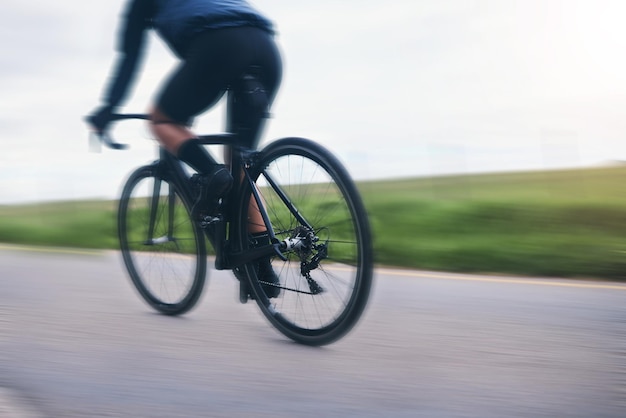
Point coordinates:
[(396, 89)]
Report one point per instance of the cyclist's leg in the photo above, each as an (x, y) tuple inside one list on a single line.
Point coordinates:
[(170, 134), (193, 88), (215, 179), (198, 83), (265, 58), (256, 225), (261, 54)]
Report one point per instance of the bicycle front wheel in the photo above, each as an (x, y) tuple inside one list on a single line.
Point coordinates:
[(163, 249), (325, 282)]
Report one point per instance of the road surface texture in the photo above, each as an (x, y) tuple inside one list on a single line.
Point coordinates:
[(76, 341)]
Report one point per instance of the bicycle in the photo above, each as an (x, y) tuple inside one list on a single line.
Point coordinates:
[(319, 235)]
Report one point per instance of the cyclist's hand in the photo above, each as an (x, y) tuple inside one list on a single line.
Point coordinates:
[(100, 119)]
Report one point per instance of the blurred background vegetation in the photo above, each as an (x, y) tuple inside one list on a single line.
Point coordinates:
[(569, 223)]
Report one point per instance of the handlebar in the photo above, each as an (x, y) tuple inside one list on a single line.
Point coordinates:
[(106, 139), (103, 137)]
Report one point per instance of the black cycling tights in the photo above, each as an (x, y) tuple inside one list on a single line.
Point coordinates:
[(214, 64)]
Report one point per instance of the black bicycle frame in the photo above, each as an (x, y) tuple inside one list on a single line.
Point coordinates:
[(241, 161), (170, 169)]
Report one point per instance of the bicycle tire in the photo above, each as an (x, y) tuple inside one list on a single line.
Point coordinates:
[(168, 264), (323, 195)]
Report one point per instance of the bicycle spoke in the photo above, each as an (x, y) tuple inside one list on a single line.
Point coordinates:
[(327, 276), (163, 249)]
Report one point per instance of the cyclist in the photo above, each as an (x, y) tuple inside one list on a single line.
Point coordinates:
[(217, 42)]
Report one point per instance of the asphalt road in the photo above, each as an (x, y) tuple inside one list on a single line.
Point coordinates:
[(76, 341)]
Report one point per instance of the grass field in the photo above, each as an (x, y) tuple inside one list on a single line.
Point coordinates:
[(569, 223)]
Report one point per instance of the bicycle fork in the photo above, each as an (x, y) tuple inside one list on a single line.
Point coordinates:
[(154, 209)]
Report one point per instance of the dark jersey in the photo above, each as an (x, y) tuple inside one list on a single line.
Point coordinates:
[(178, 22)]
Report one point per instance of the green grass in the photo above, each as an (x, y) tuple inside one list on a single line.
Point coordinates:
[(560, 223), (569, 223), (79, 224)]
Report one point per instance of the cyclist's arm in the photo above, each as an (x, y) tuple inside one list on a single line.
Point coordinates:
[(130, 47)]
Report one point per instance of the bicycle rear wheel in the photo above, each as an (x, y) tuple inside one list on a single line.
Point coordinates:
[(311, 199), (163, 249)]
